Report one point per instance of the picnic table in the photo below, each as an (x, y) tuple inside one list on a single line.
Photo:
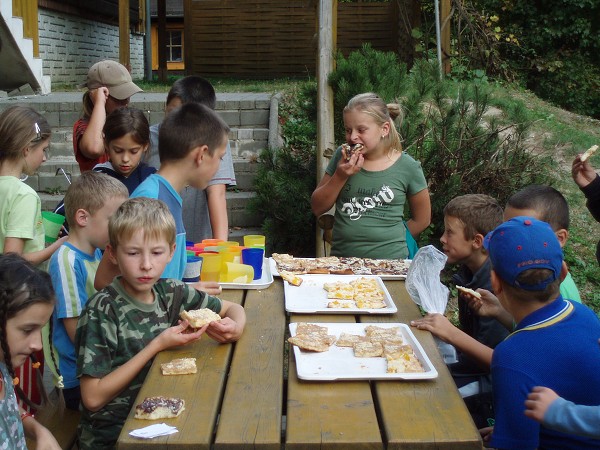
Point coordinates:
[(247, 394)]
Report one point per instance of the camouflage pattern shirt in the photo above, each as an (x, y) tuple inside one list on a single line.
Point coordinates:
[(112, 329)]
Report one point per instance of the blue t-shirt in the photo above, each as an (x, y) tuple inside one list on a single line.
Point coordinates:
[(155, 186), (72, 272), (555, 346)]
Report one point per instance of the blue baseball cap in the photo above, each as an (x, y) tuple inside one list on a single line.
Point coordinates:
[(524, 243)]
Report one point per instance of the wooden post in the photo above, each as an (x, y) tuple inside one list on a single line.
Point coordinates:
[(327, 17), (188, 55), (162, 40), (28, 11), (445, 19), (124, 54)]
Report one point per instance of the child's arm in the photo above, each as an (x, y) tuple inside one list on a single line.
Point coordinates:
[(71, 327), (545, 406), (91, 143), (420, 211), (231, 327), (217, 211), (326, 193), (106, 272), (97, 392), (16, 245), (440, 326), (44, 439)]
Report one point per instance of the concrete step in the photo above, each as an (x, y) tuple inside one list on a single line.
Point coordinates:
[(244, 142), (237, 208), (50, 178)]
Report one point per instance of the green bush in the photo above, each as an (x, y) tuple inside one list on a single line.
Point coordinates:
[(460, 148), (286, 177)]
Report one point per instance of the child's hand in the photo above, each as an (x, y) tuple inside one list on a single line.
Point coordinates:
[(99, 95), (210, 287), (436, 324), (225, 330), (486, 434), (181, 334), (352, 166), (486, 306), (538, 401), (583, 173)]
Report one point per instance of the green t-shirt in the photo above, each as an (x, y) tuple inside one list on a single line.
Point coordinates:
[(569, 290), (20, 214), (369, 211), (112, 329)]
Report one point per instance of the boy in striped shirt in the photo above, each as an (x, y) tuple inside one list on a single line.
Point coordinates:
[(89, 203)]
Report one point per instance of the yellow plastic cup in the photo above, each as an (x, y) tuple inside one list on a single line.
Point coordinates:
[(237, 273), (211, 267), (52, 225), (254, 240)]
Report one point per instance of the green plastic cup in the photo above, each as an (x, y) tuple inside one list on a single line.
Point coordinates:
[(52, 225)]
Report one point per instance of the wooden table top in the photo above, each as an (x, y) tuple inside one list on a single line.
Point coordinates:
[(247, 394)]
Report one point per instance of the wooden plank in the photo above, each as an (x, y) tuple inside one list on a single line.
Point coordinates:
[(252, 406), (329, 414), (438, 416), (202, 393)]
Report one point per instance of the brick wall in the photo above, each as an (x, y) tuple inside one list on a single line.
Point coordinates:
[(69, 45)]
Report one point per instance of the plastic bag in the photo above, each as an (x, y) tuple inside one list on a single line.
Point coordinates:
[(425, 288), (423, 280)]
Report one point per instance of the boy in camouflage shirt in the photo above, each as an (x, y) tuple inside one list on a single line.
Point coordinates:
[(127, 323)]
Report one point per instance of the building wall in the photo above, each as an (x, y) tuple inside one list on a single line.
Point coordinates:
[(69, 45)]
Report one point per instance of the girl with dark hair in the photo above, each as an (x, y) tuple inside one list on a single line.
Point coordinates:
[(26, 303)]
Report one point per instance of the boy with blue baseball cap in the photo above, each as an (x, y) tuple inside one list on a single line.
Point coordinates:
[(554, 344)]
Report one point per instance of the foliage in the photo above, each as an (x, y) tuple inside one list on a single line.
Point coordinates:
[(365, 70), (286, 177), (550, 46), (461, 147)]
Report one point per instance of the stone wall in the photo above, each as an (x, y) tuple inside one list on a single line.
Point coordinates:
[(69, 45)]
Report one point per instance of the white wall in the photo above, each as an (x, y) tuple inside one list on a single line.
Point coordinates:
[(69, 45)]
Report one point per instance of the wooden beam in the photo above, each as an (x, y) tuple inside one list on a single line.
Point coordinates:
[(28, 11), (327, 23), (445, 9), (124, 54), (188, 54), (162, 40)]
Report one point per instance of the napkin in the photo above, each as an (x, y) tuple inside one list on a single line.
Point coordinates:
[(152, 431)]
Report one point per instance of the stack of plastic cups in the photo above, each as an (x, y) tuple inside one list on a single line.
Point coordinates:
[(192, 269)]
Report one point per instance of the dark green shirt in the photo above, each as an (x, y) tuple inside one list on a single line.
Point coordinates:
[(112, 329)]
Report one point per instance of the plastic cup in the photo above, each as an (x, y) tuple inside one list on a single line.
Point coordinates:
[(52, 225), (192, 270), (254, 257), (230, 243), (211, 267), (254, 240), (237, 273), (212, 241)]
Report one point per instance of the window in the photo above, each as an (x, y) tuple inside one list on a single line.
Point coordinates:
[(174, 46)]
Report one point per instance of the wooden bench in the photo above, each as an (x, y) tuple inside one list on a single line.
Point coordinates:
[(63, 425)]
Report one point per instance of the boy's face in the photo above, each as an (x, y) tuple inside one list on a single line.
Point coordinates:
[(209, 165), (174, 103), (125, 154), (97, 223), (455, 245), (142, 262)]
